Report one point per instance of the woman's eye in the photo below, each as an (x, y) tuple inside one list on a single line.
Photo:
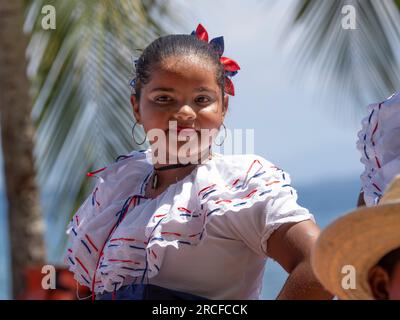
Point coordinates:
[(163, 99), (202, 99)]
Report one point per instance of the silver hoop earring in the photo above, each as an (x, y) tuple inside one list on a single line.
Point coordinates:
[(133, 135), (224, 137)]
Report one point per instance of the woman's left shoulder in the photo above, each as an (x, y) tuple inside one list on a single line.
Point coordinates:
[(247, 164)]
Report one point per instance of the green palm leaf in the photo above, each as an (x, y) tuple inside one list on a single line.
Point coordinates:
[(362, 63)]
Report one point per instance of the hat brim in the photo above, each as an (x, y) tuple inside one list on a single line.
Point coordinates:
[(359, 240)]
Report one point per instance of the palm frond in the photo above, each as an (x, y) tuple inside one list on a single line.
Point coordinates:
[(362, 64), (80, 81)]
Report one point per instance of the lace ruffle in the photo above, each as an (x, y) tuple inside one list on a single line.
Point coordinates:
[(379, 144)]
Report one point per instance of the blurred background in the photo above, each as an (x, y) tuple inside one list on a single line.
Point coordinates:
[(304, 85)]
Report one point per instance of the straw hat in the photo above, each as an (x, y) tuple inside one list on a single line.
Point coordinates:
[(359, 239)]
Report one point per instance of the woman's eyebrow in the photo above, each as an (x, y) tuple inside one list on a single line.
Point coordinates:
[(163, 89), (200, 89), (204, 89)]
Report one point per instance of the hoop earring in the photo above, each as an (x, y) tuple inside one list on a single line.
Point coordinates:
[(133, 135), (224, 137)]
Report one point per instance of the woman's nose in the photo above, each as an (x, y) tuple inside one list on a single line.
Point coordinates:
[(185, 113)]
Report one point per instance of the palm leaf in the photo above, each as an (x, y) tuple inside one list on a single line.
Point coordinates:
[(362, 64)]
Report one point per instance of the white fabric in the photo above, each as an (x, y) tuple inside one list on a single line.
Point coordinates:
[(205, 235), (379, 144)]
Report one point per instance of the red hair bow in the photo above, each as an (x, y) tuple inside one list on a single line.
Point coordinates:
[(231, 67)]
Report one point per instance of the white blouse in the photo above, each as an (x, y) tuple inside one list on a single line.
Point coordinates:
[(205, 234)]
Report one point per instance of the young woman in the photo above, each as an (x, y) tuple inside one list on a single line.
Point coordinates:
[(177, 221)]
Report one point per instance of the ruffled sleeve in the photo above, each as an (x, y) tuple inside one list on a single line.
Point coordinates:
[(84, 247), (274, 203), (91, 224), (379, 145)]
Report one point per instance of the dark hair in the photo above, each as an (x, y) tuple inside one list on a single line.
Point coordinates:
[(390, 260), (175, 45)]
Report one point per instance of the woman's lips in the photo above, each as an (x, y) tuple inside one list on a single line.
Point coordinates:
[(186, 130)]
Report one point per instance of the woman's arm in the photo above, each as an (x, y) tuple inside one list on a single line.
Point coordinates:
[(361, 201), (290, 245)]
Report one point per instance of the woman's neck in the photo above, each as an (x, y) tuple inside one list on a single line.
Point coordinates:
[(167, 177)]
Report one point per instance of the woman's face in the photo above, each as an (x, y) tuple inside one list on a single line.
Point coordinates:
[(182, 93)]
